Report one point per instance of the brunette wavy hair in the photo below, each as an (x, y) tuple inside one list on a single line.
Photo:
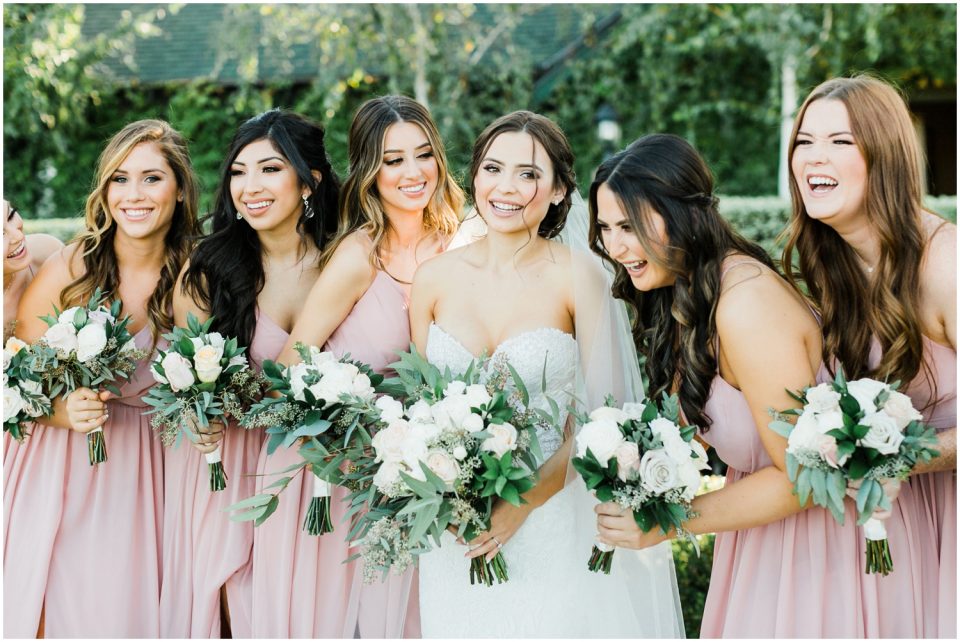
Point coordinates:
[(853, 306), (360, 205), (226, 268), (548, 134), (674, 327), (97, 239)]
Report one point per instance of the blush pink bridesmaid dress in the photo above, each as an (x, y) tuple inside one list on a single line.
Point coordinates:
[(82, 542), (202, 549), (301, 586)]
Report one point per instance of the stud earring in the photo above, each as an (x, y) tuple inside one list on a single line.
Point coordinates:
[(238, 216), (307, 208)]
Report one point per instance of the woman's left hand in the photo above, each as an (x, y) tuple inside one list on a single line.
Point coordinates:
[(505, 520), (616, 526)]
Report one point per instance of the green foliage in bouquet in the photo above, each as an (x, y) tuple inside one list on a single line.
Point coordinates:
[(23, 398)]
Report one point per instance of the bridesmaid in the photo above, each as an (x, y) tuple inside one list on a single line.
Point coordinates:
[(882, 270), (399, 207), (720, 327), (82, 552), (22, 257), (275, 209)]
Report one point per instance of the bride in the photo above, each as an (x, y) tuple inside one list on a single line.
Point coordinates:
[(544, 307)]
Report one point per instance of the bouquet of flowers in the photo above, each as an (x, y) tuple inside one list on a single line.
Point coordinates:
[(23, 397), (851, 436), (460, 443), (202, 376), (87, 347), (639, 457), (324, 401)]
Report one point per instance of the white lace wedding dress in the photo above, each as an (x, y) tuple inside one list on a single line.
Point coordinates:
[(550, 592)]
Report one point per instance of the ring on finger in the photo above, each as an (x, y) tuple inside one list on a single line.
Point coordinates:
[(499, 545)]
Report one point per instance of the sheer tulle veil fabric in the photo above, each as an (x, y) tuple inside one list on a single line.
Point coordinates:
[(644, 582)]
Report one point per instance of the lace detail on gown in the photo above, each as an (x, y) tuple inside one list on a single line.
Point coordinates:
[(544, 353)]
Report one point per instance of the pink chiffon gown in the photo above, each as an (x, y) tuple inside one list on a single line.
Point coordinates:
[(301, 586), (202, 549), (82, 542), (800, 577)]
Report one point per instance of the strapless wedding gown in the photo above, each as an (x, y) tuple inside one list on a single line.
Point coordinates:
[(550, 592)]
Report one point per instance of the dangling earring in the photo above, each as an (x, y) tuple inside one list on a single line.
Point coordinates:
[(307, 208), (238, 215)]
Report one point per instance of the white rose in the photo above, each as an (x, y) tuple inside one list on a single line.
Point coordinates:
[(827, 421), (455, 389), (414, 451), (100, 317), (884, 435), (362, 388), (444, 466), (634, 410), (216, 339), (689, 477), (178, 372), (823, 398), (129, 346), (320, 358), (7, 356), (14, 345), (391, 410), (159, 378), (388, 443), (207, 361), (473, 423), (68, 315), (387, 475), (238, 360), (12, 403), (665, 429), (91, 340), (426, 432), (62, 336), (900, 408), (658, 472), (702, 461), (460, 453), (456, 408), (602, 438), (477, 395), (420, 411), (865, 391), (608, 413), (805, 436), (503, 437), (628, 460), (295, 374)]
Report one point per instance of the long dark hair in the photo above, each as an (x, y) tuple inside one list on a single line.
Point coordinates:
[(548, 134), (100, 269), (674, 327), (226, 269), (854, 308)]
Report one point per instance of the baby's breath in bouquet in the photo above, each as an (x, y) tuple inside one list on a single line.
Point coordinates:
[(324, 404), (23, 397), (201, 376), (639, 457), (849, 439), (89, 347), (460, 443)]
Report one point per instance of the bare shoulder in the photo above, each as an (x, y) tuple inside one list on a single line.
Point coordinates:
[(351, 259), (63, 265), (42, 246), (754, 298), (436, 267), (938, 271)]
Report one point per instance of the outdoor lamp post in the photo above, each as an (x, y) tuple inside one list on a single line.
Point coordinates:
[(608, 129)]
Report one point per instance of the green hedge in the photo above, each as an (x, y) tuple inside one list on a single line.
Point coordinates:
[(760, 218)]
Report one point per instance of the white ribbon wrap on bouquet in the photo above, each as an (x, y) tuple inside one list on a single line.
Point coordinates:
[(97, 429), (321, 488), (214, 457), (603, 546), (874, 530)]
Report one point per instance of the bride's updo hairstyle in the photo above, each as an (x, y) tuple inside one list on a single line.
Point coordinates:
[(546, 132), (674, 327)]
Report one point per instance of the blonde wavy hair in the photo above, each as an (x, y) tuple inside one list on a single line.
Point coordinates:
[(360, 205), (96, 240), (855, 308)]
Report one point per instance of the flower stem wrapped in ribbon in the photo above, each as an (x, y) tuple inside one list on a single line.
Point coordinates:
[(23, 397), (639, 457), (323, 406), (87, 346), (459, 444), (201, 376), (852, 438)]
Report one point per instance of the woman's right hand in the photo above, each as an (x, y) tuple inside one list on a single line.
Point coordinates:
[(208, 439), (87, 409)]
